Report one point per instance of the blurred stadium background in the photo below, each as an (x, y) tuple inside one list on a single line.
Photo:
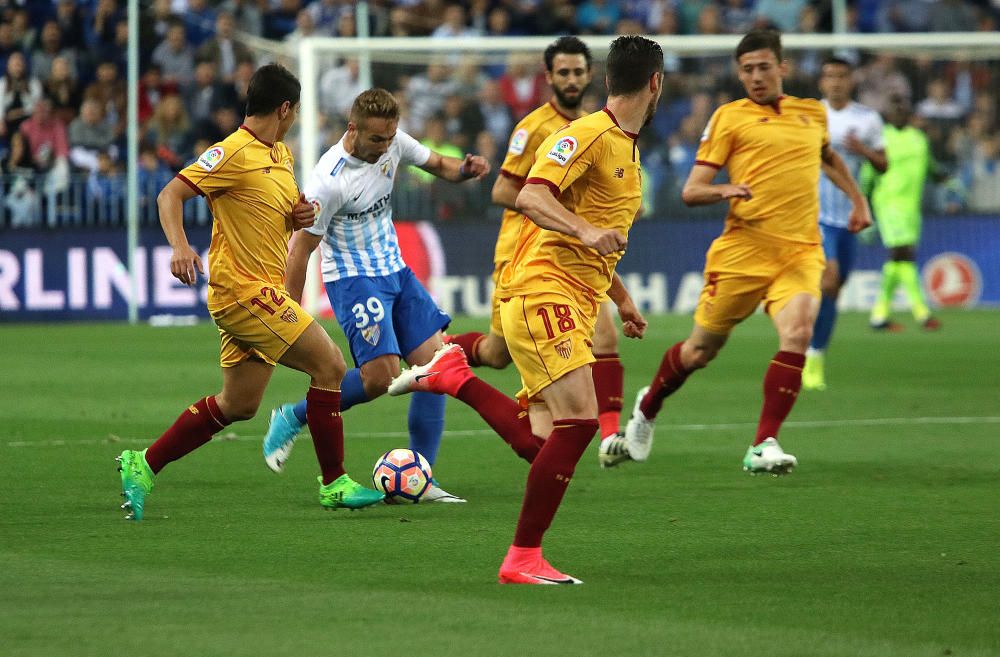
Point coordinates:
[(465, 73)]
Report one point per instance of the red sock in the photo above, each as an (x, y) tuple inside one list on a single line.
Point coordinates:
[(191, 430), (549, 476), (503, 415), (609, 382), (781, 388), (469, 342), (668, 379), (327, 429)]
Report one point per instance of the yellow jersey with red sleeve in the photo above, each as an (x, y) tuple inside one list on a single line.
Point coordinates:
[(524, 141), (776, 150), (592, 167), (250, 188)]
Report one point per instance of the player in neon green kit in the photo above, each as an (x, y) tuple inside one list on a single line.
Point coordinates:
[(896, 196)]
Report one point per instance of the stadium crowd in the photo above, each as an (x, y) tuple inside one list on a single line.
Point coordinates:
[(63, 90)]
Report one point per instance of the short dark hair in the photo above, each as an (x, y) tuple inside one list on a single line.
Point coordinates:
[(631, 61), (836, 61), (270, 86), (759, 40), (567, 45)]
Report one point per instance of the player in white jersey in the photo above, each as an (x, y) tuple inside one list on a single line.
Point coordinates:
[(856, 134), (383, 309)]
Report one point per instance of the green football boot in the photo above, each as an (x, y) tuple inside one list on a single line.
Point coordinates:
[(345, 493), (813, 377), (137, 481)]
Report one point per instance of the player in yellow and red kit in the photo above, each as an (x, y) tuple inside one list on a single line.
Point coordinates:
[(568, 72), (249, 183), (773, 147), (581, 195)]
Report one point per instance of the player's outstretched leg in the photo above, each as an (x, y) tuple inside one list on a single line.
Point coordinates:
[(669, 377), (425, 421), (448, 373), (781, 387), (548, 478), (288, 420), (192, 429)]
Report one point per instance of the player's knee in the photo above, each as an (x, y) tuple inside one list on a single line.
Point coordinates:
[(376, 376), (797, 337), (237, 410), (697, 356)]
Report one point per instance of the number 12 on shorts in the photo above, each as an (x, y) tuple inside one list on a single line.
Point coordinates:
[(563, 317)]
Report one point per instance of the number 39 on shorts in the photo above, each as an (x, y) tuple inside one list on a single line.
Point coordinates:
[(371, 311)]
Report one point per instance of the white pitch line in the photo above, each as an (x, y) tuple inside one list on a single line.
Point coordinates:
[(809, 424)]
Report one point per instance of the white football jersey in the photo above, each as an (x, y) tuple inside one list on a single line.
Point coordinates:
[(866, 124), (354, 210)]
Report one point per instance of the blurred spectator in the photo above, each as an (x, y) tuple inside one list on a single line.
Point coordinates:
[(40, 144), (280, 20), (200, 19), (736, 17), (339, 86), (454, 24), (101, 32), (552, 17), (248, 15), (906, 15), (479, 12), (153, 175), (782, 14), (496, 115), (498, 22), (223, 122), (470, 77), (939, 105), (951, 16), (223, 49), (426, 92), (597, 16), (109, 89), (241, 82), (523, 84), (687, 14), (7, 45), (50, 46), (346, 26), (152, 88), (170, 131), (305, 26), (106, 189), (878, 80), (326, 13), (19, 93), (982, 176), (23, 32), (436, 138), (462, 121), (64, 91), (89, 135), (69, 18), (204, 94), (173, 55)]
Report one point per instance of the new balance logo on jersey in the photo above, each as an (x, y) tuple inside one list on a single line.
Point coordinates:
[(619, 172)]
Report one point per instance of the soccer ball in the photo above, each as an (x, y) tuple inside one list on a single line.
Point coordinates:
[(403, 475)]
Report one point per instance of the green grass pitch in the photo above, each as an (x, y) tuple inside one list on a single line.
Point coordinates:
[(884, 542)]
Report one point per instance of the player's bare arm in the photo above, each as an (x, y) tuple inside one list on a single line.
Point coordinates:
[(699, 190), (537, 203), (505, 191), (633, 323), (301, 246), (185, 264), (453, 169), (876, 156), (838, 173)]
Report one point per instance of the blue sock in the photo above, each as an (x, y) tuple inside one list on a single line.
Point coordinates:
[(352, 392), (823, 328), (426, 423)]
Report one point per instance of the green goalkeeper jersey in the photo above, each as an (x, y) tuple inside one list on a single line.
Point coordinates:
[(896, 194)]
